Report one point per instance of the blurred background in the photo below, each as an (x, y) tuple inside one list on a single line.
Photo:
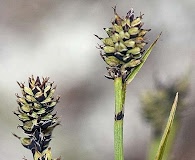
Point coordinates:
[(55, 39)]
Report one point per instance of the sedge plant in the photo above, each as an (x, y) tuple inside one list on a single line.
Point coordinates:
[(35, 111), (123, 51)]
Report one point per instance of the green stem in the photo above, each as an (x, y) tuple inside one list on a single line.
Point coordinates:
[(120, 90)]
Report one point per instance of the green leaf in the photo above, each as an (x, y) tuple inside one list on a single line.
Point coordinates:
[(167, 130), (136, 69)]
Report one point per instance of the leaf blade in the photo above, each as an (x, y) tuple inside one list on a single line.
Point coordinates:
[(167, 130), (136, 69)]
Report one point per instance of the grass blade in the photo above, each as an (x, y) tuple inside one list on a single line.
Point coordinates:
[(167, 130), (136, 69)]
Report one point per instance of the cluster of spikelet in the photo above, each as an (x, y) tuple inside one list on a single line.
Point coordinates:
[(123, 48), (35, 112)]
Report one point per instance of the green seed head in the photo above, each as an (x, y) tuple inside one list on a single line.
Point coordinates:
[(124, 45)]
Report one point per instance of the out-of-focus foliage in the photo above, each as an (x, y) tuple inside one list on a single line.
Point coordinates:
[(157, 104)]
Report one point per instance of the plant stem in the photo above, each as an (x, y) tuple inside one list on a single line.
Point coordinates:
[(120, 90)]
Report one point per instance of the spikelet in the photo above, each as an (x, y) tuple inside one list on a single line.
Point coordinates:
[(122, 50), (35, 112)]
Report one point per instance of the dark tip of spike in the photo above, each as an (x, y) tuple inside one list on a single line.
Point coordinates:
[(38, 82), (102, 55), (16, 136), (20, 84), (98, 36), (32, 77), (108, 77), (140, 25), (114, 9), (99, 46), (141, 15), (19, 126), (45, 80), (17, 95), (57, 99), (24, 158), (16, 113), (130, 15)]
